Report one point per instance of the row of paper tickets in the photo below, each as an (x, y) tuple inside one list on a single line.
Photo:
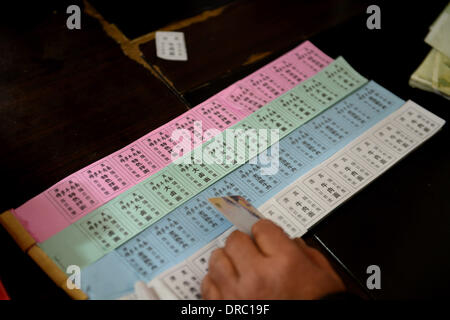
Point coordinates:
[(308, 199), (321, 166), (101, 231), (336, 132), (90, 188)]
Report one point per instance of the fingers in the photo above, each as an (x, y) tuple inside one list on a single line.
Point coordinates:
[(318, 258), (271, 239), (242, 251), (313, 254), (221, 273), (221, 268), (301, 243), (210, 290), (322, 262)]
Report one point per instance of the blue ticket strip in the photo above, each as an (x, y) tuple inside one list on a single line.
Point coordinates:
[(195, 223), (119, 220)]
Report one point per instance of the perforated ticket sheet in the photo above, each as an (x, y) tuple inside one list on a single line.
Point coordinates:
[(298, 152), (322, 189), (107, 227), (89, 188), (307, 134)]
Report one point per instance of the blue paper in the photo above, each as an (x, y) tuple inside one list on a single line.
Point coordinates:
[(192, 225)]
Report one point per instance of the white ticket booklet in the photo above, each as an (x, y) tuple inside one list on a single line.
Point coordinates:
[(315, 194)]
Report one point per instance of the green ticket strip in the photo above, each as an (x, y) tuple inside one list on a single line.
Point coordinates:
[(109, 226)]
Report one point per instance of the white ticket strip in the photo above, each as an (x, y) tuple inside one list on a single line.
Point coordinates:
[(315, 194)]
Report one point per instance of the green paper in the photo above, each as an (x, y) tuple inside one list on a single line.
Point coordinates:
[(129, 213)]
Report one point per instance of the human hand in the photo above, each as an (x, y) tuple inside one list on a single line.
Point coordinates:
[(270, 266)]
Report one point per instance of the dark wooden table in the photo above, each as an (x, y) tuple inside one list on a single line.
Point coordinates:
[(70, 97)]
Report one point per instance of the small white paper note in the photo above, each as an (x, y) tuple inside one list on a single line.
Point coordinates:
[(170, 45)]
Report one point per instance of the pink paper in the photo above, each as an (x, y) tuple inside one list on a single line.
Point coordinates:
[(307, 57), (218, 114), (289, 71), (136, 162), (266, 84), (91, 187), (244, 100)]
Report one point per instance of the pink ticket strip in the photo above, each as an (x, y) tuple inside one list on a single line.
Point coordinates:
[(91, 187)]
